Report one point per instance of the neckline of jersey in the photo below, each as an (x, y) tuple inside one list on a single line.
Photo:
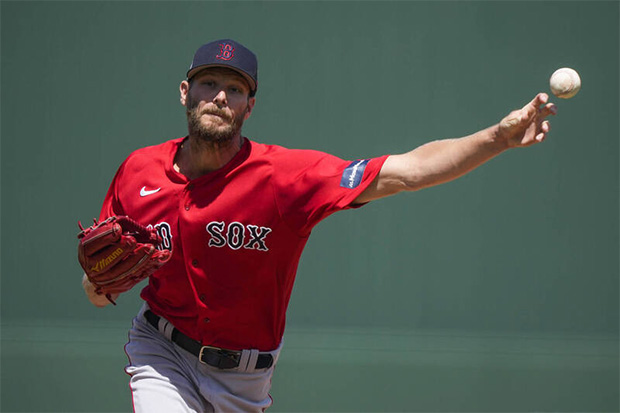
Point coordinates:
[(239, 157)]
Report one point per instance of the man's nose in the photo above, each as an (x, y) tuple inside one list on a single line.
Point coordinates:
[(220, 99)]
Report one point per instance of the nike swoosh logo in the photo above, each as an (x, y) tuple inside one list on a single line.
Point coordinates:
[(144, 192)]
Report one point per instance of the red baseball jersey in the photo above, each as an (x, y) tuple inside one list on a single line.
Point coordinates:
[(236, 234)]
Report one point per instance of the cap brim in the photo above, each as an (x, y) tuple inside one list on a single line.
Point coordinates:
[(247, 77)]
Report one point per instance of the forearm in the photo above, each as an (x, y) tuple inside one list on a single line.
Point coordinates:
[(98, 300), (444, 160)]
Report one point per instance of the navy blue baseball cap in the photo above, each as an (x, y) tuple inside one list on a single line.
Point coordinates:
[(227, 53)]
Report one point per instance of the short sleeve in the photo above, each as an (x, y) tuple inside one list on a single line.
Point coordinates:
[(311, 185)]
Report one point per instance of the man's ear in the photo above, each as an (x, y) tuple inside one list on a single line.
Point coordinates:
[(248, 112), (184, 89)]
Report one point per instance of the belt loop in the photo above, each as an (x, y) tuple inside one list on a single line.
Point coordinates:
[(252, 359), (165, 328), (243, 360), (168, 330)]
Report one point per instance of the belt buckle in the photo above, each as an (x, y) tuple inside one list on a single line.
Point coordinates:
[(226, 359)]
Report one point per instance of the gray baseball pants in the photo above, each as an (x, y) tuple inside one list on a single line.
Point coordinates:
[(166, 378)]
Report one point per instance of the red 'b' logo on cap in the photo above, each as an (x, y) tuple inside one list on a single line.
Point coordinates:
[(226, 52)]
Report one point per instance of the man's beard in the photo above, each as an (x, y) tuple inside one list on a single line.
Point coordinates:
[(210, 133)]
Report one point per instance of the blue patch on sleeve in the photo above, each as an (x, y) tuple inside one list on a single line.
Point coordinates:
[(352, 175)]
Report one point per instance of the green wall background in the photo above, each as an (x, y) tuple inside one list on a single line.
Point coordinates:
[(496, 292)]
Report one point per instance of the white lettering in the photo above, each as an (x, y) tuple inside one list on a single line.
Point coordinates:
[(353, 173), (234, 234)]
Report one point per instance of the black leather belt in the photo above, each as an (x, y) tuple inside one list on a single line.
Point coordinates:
[(213, 356)]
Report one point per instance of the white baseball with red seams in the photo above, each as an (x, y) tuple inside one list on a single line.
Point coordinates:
[(565, 83)]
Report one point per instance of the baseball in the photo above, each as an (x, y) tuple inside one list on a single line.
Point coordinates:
[(565, 83)]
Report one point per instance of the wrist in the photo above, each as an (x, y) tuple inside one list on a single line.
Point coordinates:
[(497, 141), (98, 300)]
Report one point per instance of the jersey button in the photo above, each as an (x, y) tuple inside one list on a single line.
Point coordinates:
[(187, 207), (203, 297), (195, 263), (190, 187), (206, 320)]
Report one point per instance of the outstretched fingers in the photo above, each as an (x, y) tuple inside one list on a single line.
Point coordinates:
[(545, 127), (539, 114), (539, 99), (548, 109), (528, 125), (532, 109)]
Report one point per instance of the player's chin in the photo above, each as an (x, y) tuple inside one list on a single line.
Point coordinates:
[(218, 136)]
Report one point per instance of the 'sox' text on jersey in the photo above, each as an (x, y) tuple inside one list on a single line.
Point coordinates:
[(237, 235)]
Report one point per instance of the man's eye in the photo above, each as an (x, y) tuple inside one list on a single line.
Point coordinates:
[(209, 83)]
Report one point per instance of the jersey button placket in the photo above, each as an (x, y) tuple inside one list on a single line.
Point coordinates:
[(187, 205), (194, 262), (188, 188)]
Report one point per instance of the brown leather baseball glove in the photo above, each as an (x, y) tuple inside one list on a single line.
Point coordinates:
[(118, 253)]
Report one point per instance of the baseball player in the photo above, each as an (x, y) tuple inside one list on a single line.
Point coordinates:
[(223, 220)]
